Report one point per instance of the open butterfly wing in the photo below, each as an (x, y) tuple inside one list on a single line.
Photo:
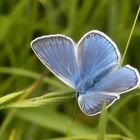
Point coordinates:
[(123, 80), (97, 55), (108, 89), (91, 103), (57, 53)]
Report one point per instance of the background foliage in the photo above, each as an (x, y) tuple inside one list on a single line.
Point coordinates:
[(23, 20)]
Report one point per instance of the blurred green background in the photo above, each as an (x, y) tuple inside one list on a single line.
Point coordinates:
[(23, 20)]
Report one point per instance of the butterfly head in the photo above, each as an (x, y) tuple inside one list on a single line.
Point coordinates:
[(76, 95)]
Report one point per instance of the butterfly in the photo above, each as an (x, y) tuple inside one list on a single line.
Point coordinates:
[(92, 67)]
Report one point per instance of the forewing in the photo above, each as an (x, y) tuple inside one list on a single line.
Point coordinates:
[(124, 79), (92, 103), (57, 53), (97, 55)]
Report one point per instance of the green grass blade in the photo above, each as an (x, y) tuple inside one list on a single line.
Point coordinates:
[(93, 137), (125, 130), (53, 120), (37, 101), (30, 74), (131, 32), (102, 123), (33, 103), (5, 29), (11, 96)]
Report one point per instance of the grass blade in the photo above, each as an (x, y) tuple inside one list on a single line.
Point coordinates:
[(102, 123), (37, 101), (31, 74), (121, 126), (131, 32), (11, 96)]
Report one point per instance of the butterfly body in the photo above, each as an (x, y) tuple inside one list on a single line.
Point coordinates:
[(92, 68)]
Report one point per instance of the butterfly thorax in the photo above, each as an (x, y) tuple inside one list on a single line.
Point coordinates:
[(85, 86)]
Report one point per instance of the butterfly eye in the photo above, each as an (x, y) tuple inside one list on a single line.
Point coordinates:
[(77, 94)]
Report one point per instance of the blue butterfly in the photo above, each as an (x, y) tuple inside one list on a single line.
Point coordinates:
[(91, 67)]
